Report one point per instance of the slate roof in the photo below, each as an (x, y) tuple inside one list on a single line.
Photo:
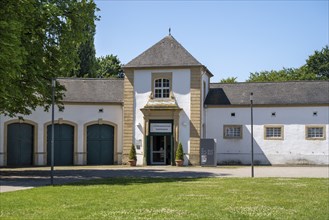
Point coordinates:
[(93, 90), (168, 52), (269, 93)]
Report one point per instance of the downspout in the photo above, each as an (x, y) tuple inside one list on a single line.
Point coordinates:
[(203, 90), (122, 134)]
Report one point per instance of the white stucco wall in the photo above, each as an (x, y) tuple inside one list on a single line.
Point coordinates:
[(293, 149), (79, 114), (181, 90)]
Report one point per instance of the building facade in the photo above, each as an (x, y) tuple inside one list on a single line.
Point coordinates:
[(163, 104), (290, 122), (87, 132), (166, 98)]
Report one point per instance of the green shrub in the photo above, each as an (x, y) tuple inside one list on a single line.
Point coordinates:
[(180, 152), (132, 153)]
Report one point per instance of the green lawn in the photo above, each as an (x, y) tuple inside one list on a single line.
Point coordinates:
[(201, 198)]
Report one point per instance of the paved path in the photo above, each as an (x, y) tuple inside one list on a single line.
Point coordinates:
[(26, 178)]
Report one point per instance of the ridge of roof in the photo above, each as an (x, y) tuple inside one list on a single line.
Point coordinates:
[(88, 79), (271, 82), (269, 93), (168, 52)]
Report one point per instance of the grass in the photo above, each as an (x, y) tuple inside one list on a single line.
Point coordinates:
[(162, 198)]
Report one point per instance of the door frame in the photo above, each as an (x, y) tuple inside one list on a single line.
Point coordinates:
[(115, 147), (75, 138), (150, 140), (112, 127), (35, 136), (164, 151)]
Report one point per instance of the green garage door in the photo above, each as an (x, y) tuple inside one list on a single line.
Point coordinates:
[(100, 144), (63, 145), (20, 144)]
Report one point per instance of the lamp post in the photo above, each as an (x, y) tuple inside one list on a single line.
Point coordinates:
[(53, 84), (252, 134)]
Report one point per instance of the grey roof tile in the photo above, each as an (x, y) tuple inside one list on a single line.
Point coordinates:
[(92, 90), (168, 52), (269, 93)]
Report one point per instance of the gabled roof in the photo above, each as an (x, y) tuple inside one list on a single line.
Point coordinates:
[(92, 90), (269, 93), (168, 52)]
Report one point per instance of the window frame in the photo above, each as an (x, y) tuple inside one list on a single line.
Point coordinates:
[(232, 126), (162, 88), (161, 76), (315, 138), (274, 138)]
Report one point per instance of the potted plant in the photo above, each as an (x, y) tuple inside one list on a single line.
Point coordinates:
[(132, 156), (179, 158)]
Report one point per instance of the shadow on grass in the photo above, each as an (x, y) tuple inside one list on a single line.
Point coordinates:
[(34, 178), (125, 181)]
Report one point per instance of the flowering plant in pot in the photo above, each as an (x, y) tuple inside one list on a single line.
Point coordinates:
[(179, 158), (132, 156)]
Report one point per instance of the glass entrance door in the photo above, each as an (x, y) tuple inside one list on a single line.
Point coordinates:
[(159, 142), (158, 150)]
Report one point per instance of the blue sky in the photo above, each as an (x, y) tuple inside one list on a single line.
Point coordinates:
[(231, 38)]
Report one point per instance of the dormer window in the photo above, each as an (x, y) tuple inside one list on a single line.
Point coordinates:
[(161, 88)]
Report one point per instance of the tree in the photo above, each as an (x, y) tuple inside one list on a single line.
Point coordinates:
[(87, 60), (109, 66), (289, 74), (87, 53), (229, 80), (316, 68), (318, 63), (39, 40)]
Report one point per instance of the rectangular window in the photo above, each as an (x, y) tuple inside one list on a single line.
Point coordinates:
[(165, 93), (157, 83), (161, 85), (157, 93), (273, 132), (233, 131), (161, 88), (165, 83), (315, 132)]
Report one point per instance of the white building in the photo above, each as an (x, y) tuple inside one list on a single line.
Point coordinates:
[(165, 99), (290, 122), (87, 131)]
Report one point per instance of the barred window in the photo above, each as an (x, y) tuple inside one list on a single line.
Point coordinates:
[(274, 132), (232, 131), (161, 88), (315, 132)]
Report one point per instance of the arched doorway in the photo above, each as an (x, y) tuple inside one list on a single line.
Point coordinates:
[(63, 144), (20, 142), (100, 144)]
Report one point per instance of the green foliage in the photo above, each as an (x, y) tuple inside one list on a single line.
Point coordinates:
[(132, 153), (109, 66), (281, 75), (318, 63), (39, 40), (229, 80), (185, 198), (316, 68), (87, 60), (179, 152), (87, 53)]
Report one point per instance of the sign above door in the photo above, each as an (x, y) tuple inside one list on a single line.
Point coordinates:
[(160, 127)]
